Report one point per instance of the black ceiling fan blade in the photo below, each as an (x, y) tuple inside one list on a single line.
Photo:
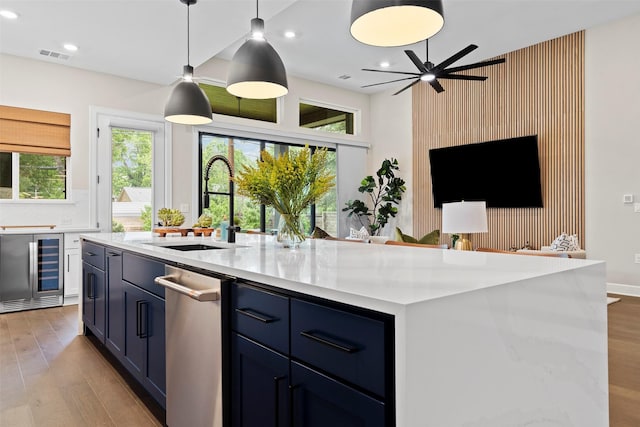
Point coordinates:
[(390, 81), (453, 58), (416, 61), (436, 85), (475, 65), (407, 87), (392, 72), (461, 77)]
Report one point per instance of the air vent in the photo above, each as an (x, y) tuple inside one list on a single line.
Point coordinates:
[(344, 77), (52, 54)]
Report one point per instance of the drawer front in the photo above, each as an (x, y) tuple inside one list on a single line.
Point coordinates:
[(71, 240), (261, 315), (341, 343), (93, 254), (141, 271)]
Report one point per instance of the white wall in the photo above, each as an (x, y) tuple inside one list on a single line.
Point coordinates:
[(48, 86), (392, 136), (612, 91)]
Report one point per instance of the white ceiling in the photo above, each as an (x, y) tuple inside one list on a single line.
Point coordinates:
[(146, 39)]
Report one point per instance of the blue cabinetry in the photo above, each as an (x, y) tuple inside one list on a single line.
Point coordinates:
[(114, 339), (304, 363), (94, 289), (125, 309)]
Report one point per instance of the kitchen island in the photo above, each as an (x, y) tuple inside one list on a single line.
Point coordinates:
[(479, 339)]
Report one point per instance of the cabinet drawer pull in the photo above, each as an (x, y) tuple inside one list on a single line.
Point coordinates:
[(256, 315), (89, 254), (313, 336), (113, 254)]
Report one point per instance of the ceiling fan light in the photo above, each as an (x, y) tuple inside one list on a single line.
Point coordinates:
[(395, 22), (188, 105), (427, 77), (257, 72)]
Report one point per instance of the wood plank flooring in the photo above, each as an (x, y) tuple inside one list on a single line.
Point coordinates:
[(624, 362), (49, 376)]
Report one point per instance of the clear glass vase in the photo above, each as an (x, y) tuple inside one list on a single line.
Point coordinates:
[(290, 231)]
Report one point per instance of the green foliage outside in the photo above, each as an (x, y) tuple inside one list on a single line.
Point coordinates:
[(131, 158), (42, 176), (146, 218)]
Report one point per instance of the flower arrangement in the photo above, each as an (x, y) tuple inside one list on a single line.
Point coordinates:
[(288, 183)]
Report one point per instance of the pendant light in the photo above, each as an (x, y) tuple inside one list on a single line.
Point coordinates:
[(256, 70), (395, 22), (188, 103)]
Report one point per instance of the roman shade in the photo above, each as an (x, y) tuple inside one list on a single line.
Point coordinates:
[(34, 131)]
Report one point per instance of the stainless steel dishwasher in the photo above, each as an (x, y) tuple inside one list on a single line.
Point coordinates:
[(193, 347)]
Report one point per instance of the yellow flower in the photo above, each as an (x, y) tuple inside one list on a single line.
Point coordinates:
[(288, 183)]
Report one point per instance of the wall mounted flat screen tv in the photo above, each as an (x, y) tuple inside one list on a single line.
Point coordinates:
[(504, 173)]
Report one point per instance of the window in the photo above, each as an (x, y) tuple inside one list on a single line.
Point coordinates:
[(34, 146), (247, 214), (32, 176), (326, 119), (222, 102)]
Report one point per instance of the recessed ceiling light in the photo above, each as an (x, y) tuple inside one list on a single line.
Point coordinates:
[(385, 64), (8, 14), (290, 34), (70, 47)]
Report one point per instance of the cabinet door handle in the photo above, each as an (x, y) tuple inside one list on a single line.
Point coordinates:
[(276, 384), (93, 286), (142, 319), (90, 286), (292, 389), (67, 263), (312, 335), (256, 315)]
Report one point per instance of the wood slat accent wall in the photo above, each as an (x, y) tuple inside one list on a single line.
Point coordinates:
[(539, 90)]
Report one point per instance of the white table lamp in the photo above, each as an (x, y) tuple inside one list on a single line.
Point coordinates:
[(464, 218)]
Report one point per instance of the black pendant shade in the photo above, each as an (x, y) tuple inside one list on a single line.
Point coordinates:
[(395, 22), (256, 70), (187, 103)]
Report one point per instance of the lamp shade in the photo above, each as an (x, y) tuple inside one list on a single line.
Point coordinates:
[(395, 22), (257, 72), (464, 217), (188, 105)]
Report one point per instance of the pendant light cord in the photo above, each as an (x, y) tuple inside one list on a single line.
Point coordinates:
[(257, 14), (188, 33), (426, 42)]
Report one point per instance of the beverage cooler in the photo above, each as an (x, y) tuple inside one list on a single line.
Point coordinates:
[(31, 271)]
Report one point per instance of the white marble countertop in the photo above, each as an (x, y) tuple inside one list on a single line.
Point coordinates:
[(384, 278)]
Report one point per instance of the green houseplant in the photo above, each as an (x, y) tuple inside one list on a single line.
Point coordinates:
[(289, 184), (384, 191)]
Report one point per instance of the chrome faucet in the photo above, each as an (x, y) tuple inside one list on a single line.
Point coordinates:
[(231, 230)]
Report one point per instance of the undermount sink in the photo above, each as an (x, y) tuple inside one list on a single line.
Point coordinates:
[(192, 247)]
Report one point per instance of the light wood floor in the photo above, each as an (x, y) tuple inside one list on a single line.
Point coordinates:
[(49, 376)]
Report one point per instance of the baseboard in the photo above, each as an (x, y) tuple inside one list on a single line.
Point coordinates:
[(70, 300), (622, 289)]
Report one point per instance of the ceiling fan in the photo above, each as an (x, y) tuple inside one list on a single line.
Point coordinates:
[(430, 73)]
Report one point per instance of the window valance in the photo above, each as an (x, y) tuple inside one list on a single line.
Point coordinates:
[(23, 130)]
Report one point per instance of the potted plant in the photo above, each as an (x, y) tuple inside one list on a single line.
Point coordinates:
[(385, 193), (289, 184)]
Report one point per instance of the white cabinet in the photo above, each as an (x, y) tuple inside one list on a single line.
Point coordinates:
[(72, 267)]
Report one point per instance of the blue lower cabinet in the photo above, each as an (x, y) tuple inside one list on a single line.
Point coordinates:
[(114, 338), (94, 300), (260, 385), (319, 401), (144, 339)]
